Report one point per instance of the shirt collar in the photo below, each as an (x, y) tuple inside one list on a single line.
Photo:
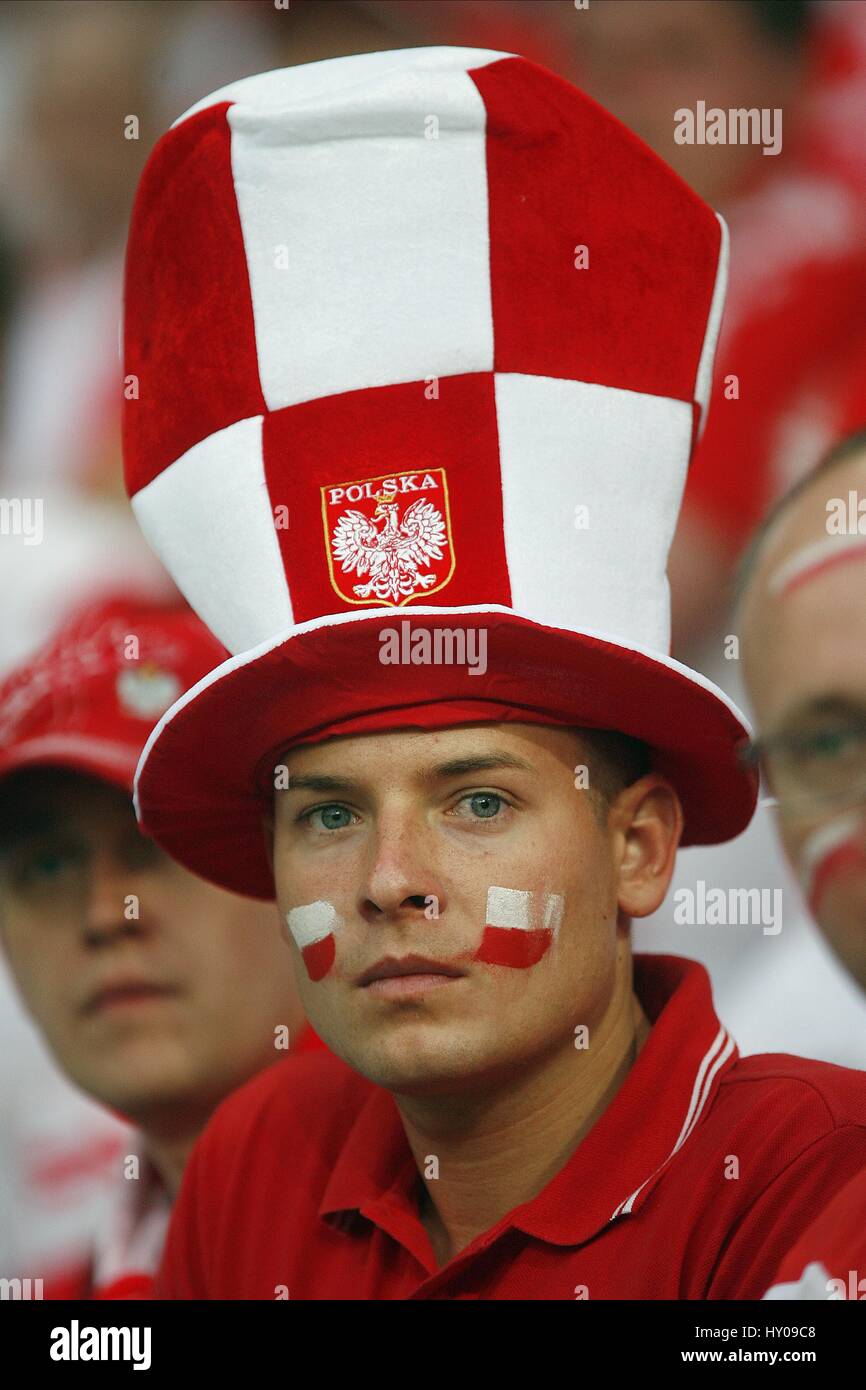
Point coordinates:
[(133, 1236), (666, 1095)]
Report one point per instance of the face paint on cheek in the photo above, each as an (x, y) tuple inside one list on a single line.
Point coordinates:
[(829, 851), (312, 927), (813, 560), (520, 926)]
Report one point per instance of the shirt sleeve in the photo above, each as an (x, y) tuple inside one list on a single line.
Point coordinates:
[(776, 1220), (827, 1262)]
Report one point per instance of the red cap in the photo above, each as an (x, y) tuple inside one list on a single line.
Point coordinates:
[(89, 698)]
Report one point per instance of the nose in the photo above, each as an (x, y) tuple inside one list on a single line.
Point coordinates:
[(402, 881), (112, 907)]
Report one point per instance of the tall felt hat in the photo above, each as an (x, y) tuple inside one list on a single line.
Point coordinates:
[(418, 344)]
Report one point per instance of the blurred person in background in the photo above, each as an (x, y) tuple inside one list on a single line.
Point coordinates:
[(803, 621), (91, 81), (790, 376), (58, 1148), (82, 70), (156, 992)]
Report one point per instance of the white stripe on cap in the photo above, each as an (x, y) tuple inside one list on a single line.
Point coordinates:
[(704, 379), (233, 538), (627, 440), (384, 233)]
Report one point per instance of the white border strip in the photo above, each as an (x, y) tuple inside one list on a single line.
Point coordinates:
[(704, 378), (700, 1093)]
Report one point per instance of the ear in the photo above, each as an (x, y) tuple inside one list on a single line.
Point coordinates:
[(648, 820)]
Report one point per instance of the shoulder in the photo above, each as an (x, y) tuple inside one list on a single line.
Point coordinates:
[(831, 1252), (820, 1095), (313, 1098), (781, 1138), (277, 1136)]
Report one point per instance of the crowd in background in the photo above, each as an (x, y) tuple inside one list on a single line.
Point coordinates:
[(88, 86)]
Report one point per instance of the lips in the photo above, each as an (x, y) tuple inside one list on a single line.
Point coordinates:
[(126, 991), (391, 967)]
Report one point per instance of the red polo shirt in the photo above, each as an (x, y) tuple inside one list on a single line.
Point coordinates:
[(693, 1183), (829, 1260)]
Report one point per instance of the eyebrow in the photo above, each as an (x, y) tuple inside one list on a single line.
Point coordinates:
[(454, 767), (457, 767), (320, 783)]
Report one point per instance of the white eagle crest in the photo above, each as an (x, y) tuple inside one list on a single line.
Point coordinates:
[(393, 555)]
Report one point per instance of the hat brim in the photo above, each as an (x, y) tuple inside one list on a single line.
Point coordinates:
[(107, 761), (203, 780)]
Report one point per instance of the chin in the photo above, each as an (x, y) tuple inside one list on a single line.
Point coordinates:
[(137, 1087), (423, 1063)]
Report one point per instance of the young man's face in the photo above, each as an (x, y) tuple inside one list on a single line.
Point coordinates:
[(804, 645), (399, 844), (197, 978)]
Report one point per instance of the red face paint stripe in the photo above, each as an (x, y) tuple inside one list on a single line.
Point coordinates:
[(319, 957), (830, 562), (513, 946)]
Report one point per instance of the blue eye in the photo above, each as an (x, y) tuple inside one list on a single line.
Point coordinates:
[(485, 804), (330, 816)]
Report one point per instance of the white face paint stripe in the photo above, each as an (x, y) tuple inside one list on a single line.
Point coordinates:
[(554, 907), (312, 923), (821, 843), (518, 909), (509, 907), (812, 556)]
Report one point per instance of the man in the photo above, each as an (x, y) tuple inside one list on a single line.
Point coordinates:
[(156, 992), (803, 622), (423, 342)]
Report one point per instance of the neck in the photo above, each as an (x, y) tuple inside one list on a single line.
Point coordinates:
[(494, 1156), (168, 1142)]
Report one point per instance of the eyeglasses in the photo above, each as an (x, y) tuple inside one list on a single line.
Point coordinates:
[(808, 771)]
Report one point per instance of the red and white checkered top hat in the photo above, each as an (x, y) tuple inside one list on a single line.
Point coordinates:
[(421, 340)]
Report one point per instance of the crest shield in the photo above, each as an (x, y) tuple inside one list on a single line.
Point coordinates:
[(388, 539)]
